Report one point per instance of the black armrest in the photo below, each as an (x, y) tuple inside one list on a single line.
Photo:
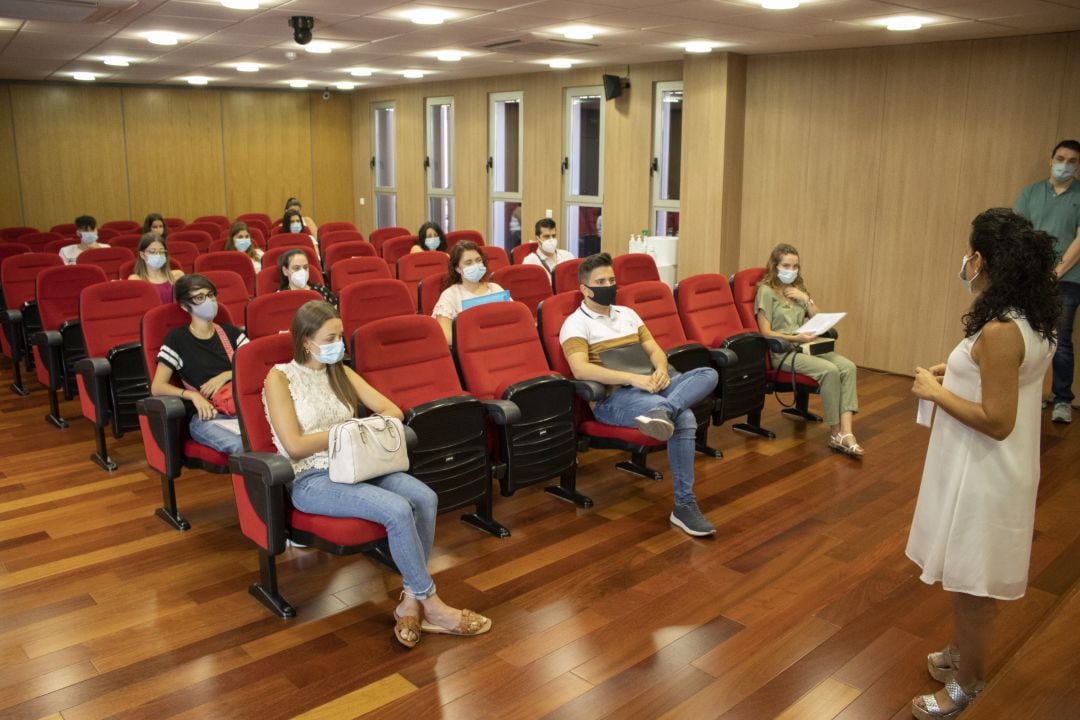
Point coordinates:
[(49, 344), (12, 321), (723, 357), (830, 333), (93, 368), (778, 345), (125, 348), (165, 415), (45, 339), (589, 390), (411, 439), (689, 356), (427, 407), (265, 477), (503, 412)]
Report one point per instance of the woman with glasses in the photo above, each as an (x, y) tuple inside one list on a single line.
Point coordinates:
[(152, 265), (201, 352)]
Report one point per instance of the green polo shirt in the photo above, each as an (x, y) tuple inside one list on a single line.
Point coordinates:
[(1058, 215)]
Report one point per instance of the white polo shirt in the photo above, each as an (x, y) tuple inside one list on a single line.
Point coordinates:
[(591, 333)]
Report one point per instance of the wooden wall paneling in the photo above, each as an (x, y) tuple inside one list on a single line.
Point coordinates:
[(332, 180), (11, 213), (542, 146), (362, 151), (175, 159), (71, 153), (267, 139), (470, 156), (917, 241), (1069, 127), (411, 146)]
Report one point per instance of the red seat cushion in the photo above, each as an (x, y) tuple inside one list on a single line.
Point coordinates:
[(342, 531), (594, 428), (207, 456)]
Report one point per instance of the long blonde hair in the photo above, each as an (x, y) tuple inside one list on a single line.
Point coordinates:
[(311, 316), (770, 278)]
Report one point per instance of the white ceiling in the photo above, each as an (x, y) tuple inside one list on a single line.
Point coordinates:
[(45, 40)]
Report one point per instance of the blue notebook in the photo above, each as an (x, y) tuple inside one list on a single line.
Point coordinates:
[(501, 296)]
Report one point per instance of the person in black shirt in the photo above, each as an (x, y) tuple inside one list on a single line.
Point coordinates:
[(201, 352)]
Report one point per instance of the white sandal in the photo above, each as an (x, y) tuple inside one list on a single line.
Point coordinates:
[(854, 449)]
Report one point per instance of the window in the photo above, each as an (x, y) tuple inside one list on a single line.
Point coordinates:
[(583, 180), (439, 114), (667, 158), (382, 164), (504, 167)]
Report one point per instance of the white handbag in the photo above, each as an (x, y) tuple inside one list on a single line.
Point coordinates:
[(366, 448)]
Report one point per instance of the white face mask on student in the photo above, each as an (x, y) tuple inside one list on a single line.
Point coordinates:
[(549, 246), (963, 273), (786, 276)]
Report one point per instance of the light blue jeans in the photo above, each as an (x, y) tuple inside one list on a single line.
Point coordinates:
[(399, 502), (686, 390), (206, 432)]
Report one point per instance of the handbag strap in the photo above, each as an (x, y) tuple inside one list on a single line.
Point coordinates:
[(336, 430)]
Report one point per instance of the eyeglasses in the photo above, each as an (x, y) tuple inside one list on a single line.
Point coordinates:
[(201, 298)]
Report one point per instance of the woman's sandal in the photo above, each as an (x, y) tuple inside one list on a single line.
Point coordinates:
[(470, 624), (930, 710), (854, 449), (943, 665), (407, 628)]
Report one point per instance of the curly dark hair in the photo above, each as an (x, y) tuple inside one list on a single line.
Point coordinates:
[(453, 277), (1019, 262)]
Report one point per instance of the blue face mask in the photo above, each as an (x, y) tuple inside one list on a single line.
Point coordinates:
[(156, 261), (88, 237), (242, 244), (330, 354), (296, 227), (474, 273), (1062, 171), (787, 276), (432, 243)]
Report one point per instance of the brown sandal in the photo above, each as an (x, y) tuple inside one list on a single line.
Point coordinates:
[(470, 624), (407, 623)]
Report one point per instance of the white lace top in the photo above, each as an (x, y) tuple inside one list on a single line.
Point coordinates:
[(317, 409)]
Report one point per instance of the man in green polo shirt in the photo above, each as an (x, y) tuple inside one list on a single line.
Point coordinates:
[(1053, 206)]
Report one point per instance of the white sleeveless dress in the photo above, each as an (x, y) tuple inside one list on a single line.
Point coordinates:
[(317, 409), (975, 514)]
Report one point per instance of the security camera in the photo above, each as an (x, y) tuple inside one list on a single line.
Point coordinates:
[(302, 25), (326, 94)]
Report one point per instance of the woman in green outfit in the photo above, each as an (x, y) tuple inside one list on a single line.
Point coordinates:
[(782, 306)]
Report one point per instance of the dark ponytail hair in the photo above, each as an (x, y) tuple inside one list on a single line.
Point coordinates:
[(1019, 262)]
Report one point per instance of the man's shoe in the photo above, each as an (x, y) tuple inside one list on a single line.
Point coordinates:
[(656, 424), (1062, 412), (689, 519)]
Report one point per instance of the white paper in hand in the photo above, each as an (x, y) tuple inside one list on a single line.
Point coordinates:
[(925, 415), (820, 323)]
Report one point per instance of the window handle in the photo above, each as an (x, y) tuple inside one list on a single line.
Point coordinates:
[(427, 162), (654, 167), (372, 162), (565, 165), (490, 163)]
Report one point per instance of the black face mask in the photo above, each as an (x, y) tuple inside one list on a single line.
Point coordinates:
[(602, 294)]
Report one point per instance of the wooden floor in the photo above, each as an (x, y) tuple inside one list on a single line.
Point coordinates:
[(802, 607)]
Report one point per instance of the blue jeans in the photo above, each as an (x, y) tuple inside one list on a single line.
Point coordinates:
[(686, 390), (1063, 357), (205, 432), (399, 502)]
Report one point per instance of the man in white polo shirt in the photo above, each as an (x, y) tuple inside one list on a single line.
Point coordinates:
[(610, 344)]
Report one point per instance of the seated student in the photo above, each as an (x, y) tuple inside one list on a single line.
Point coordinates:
[(294, 205), (155, 224), (199, 354), (304, 399), (294, 268), (152, 265), (548, 254), (782, 306), (658, 404), (429, 237), (514, 237), (466, 278), (240, 239), (86, 229)]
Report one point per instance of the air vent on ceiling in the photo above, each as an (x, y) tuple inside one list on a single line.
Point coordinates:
[(71, 11), (530, 45)]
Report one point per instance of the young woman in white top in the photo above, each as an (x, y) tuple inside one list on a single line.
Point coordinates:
[(240, 239), (304, 399), (466, 278)]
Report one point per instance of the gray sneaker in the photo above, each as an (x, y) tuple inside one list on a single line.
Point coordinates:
[(656, 424), (1062, 412), (689, 519)]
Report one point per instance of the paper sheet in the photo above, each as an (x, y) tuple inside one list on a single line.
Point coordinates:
[(822, 322), (230, 424), (925, 415)]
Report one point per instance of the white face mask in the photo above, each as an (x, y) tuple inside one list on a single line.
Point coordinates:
[(963, 273), (88, 237), (295, 227), (1062, 171), (549, 246), (300, 278), (786, 276)]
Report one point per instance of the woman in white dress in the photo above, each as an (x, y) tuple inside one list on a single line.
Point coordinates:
[(975, 514)]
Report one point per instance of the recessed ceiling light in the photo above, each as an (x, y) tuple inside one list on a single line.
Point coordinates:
[(560, 64), (779, 4), (116, 61), (449, 55), (161, 37), (699, 46), (298, 84), (345, 85), (241, 4), (319, 47), (427, 16), (361, 72), (197, 80), (906, 22), (413, 74), (84, 76), (578, 32), (248, 67)]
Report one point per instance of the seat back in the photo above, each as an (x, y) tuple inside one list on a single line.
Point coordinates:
[(519, 253), (58, 289), (15, 232), (37, 241), (232, 261), (156, 325), (380, 235), (550, 315), (122, 226), (184, 253), (268, 280), (232, 292), (130, 241), (129, 266), (497, 345), (201, 239), (57, 245), (406, 359), (64, 229), (355, 269), (429, 290), (273, 313), (565, 278), (220, 220), (258, 217), (251, 364), (707, 309), (10, 249), (18, 275), (455, 236), (528, 284), (654, 303), (175, 223), (270, 257), (396, 248), (109, 259), (414, 267), (291, 240), (111, 313), (329, 227), (328, 240), (496, 258), (366, 301), (744, 291), (211, 229), (333, 254), (634, 268)]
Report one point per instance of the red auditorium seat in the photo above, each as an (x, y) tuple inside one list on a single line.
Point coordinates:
[(211, 229), (527, 284), (290, 240), (184, 253), (65, 229), (414, 267), (201, 239), (220, 220), (329, 227), (128, 268), (354, 269), (381, 235), (37, 241), (273, 313), (455, 236), (270, 257), (232, 292), (174, 223), (395, 248), (633, 268), (343, 250), (15, 232), (565, 278), (339, 237), (130, 241), (258, 217), (366, 301), (517, 255), (268, 280), (429, 290), (109, 259), (56, 246), (18, 279), (122, 226), (496, 258), (231, 260)]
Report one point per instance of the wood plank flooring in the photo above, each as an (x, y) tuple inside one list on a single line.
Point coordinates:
[(802, 607)]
